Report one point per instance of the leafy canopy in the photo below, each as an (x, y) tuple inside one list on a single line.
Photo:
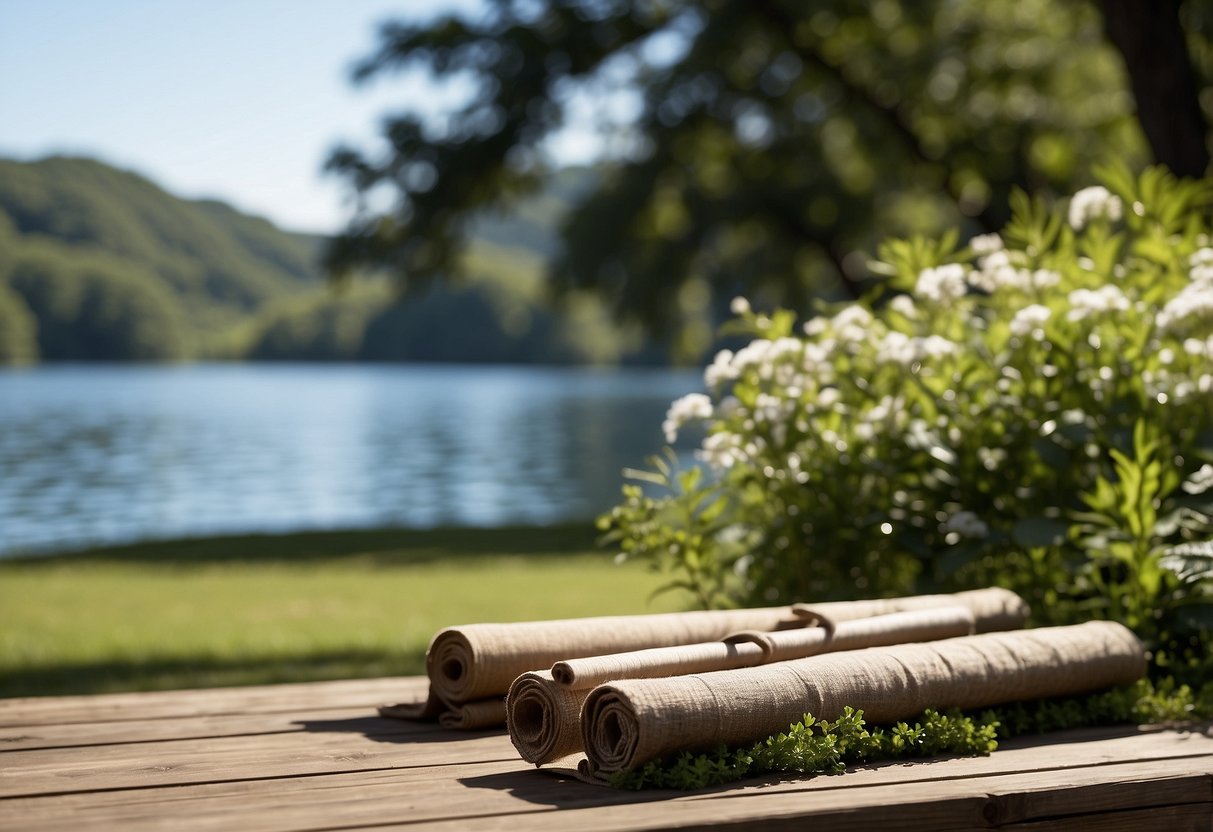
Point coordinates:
[(751, 145)]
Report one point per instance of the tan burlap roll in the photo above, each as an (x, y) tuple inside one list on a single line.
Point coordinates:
[(542, 717), (543, 708), (479, 661), (993, 608), (629, 722), (752, 647)]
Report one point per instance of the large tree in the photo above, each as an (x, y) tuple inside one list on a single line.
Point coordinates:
[(768, 143)]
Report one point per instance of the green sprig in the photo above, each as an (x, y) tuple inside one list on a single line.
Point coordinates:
[(812, 746)]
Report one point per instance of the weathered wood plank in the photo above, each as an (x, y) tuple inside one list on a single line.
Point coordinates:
[(64, 710), (81, 734), (178, 762), (1188, 818), (953, 804), (488, 791), (374, 743), (959, 803), (314, 756)]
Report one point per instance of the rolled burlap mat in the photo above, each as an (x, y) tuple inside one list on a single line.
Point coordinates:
[(479, 661), (543, 708), (993, 608), (627, 723)]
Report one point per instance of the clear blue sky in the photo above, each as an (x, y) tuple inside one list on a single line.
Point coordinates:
[(239, 100)]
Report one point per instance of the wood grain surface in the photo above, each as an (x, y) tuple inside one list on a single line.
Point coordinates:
[(316, 757)]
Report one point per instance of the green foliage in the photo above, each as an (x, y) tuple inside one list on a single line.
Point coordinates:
[(96, 307), (1036, 413), (114, 268), (750, 146), (18, 330), (812, 747)]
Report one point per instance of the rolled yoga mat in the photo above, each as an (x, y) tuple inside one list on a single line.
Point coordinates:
[(476, 663), (627, 723), (543, 707)]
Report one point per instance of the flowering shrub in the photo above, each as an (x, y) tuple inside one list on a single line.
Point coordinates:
[(1034, 409)]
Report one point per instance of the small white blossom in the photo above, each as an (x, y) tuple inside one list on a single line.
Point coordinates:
[(816, 326), (828, 397), (691, 407), (967, 524), (1201, 262), (720, 370), (1193, 301), (1093, 202), (739, 306), (986, 244), (851, 324), (1030, 320), (1200, 481), (1045, 278), (721, 450), (942, 284), (1085, 302), (904, 305), (899, 348)]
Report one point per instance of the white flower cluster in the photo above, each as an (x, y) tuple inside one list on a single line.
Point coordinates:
[(1086, 302), (1000, 271), (887, 414), (1200, 481), (986, 244), (691, 407), (1091, 203), (1195, 300), (722, 450), (898, 348), (942, 284), (1030, 321), (720, 371), (967, 524)]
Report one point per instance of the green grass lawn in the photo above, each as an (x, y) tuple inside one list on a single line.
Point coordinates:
[(259, 609)]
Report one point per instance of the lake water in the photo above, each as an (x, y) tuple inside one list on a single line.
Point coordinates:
[(107, 454)]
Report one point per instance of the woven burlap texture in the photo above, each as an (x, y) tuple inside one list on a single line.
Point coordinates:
[(478, 662), (629, 722), (543, 708)]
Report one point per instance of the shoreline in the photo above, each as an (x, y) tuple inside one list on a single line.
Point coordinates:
[(402, 544)]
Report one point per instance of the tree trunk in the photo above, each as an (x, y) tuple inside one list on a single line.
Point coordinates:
[(1150, 39)]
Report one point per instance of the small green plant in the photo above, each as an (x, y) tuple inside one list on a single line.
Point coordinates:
[(1033, 409), (811, 746)]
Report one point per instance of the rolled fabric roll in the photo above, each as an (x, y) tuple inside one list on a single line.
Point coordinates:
[(752, 647), (993, 608), (543, 708), (479, 661), (542, 717), (629, 722)]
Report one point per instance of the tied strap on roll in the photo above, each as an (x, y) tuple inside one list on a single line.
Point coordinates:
[(543, 708), (629, 722)]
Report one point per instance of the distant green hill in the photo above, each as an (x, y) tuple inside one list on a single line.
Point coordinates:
[(112, 267), (101, 264)]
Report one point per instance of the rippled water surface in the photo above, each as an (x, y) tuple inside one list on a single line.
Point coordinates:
[(116, 453)]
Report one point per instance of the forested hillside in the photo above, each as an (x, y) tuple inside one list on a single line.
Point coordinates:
[(99, 264)]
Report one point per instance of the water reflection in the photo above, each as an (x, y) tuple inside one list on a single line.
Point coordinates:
[(108, 454)]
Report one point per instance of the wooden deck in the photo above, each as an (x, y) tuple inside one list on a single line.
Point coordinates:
[(315, 757)]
